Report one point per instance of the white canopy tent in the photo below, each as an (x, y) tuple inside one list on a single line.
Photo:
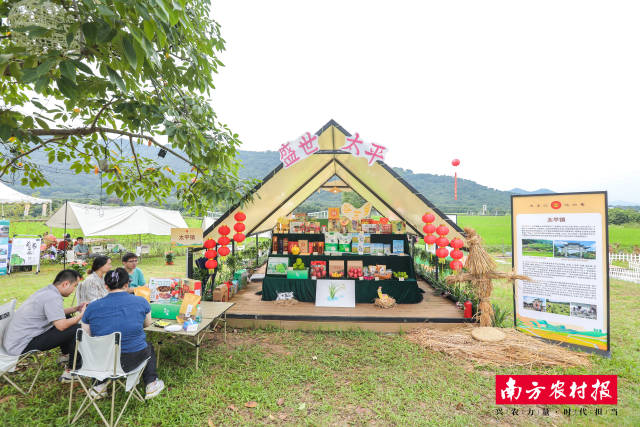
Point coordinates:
[(10, 196), (96, 220)]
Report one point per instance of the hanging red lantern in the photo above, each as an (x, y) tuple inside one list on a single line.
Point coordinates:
[(224, 241), (224, 230), (455, 265), (239, 227), (239, 216), (224, 251), (211, 264), (442, 230), (442, 253), (239, 237), (209, 244), (428, 218), (457, 243), (210, 254), (442, 242), (457, 254), (429, 229), (455, 162), (430, 239)]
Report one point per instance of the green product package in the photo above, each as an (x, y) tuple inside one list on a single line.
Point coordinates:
[(160, 310)]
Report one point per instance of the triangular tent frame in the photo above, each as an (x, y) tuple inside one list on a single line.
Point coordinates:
[(282, 190)]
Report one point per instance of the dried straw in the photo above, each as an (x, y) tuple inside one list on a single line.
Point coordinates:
[(387, 302), (517, 349)]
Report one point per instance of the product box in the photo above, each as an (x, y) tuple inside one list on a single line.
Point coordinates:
[(398, 247), (333, 225), (344, 242), (277, 265), (366, 249), (398, 227), (274, 244), (370, 228), (296, 227), (165, 310), (291, 244), (387, 248), (331, 242), (354, 269), (377, 248), (304, 247), (385, 228), (297, 274), (192, 286), (334, 213), (319, 269), (221, 293), (161, 288), (336, 269)]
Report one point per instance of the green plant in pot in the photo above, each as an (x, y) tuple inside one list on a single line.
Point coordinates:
[(168, 258)]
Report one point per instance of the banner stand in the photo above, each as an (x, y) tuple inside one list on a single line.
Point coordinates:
[(33, 240)]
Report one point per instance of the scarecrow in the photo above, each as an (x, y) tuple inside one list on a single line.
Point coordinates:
[(481, 271)]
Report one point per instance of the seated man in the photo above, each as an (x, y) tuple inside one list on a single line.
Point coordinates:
[(81, 250), (65, 244), (130, 263), (41, 322), (128, 314)]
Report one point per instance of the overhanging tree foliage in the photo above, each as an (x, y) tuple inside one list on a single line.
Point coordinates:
[(75, 74)]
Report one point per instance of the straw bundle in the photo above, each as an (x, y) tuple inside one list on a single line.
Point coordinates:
[(386, 302), (517, 349)]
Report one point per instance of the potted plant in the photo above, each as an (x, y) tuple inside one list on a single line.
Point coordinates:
[(80, 267), (168, 258)]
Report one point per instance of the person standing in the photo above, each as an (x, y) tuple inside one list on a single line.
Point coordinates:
[(130, 264), (93, 287), (41, 322)]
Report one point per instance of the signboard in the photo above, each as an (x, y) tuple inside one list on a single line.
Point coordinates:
[(4, 247), (336, 293), (25, 251), (187, 237), (294, 151), (368, 150), (560, 242)]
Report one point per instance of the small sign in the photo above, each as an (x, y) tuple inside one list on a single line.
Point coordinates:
[(187, 237)]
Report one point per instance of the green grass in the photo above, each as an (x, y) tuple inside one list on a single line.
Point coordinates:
[(331, 378)]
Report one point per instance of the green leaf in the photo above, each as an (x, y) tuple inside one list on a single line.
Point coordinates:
[(27, 123), (149, 29), (73, 31), (116, 79), (42, 123), (90, 31), (41, 84), (67, 87), (129, 52), (105, 11), (4, 58), (68, 70), (82, 67)]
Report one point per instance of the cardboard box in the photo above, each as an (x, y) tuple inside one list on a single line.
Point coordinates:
[(336, 266), (220, 294), (334, 213), (297, 274), (192, 286), (165, 310)]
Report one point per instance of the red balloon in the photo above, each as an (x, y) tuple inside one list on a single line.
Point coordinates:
[(430, 239), (211, 264), (442, 252), (457, 243), (429, 229), (455, 162), (455, 265), (239, 216), (428, 218), (442, 241), (224, 230), (457, 254), (210, 254), (239, 227), (224, 241), (442, 230), (209, 244), (239, 237), (224, 251)]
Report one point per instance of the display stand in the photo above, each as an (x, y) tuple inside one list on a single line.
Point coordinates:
[(34, 242)]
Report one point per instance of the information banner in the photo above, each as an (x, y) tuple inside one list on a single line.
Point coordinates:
[(25, 251), (336, 293), (560, 241), (187, 237), (4, 247)]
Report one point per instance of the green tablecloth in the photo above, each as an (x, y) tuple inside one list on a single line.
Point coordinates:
[(407, 292), (393, 262)]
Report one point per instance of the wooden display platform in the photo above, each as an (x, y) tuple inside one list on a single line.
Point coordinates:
[(251, 312)]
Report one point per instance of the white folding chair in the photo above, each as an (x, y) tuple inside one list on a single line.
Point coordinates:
[(8, 363), (100, 362)]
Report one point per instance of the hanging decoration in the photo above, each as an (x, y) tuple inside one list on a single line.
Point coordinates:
[(239, 227), (224, 251), (209, 244), (369, 150), (239, 237), (429, 228), (455, 163), (240, 216), (210, 254)]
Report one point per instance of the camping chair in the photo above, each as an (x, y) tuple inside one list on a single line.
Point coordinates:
[(101, 361), (8, 363), (71, 256), (143, 250)]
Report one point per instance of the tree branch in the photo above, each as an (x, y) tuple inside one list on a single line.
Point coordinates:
[(135, 156), (29, 152), (104, 107)]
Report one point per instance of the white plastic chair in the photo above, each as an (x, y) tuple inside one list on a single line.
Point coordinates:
[(101, 361), (8, 363)]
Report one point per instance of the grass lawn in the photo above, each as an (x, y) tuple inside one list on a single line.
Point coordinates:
[(332, 378)]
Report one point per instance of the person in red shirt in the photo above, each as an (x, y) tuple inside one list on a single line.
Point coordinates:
[(65, 244)]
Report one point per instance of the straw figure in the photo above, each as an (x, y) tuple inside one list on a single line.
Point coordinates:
[(481, 271)]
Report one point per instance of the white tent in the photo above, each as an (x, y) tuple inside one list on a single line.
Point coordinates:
[(96, 220), (9, 195)]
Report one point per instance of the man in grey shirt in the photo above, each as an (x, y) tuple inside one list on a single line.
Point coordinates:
[(41, 322)]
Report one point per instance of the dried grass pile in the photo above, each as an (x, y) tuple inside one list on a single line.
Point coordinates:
[(517, 349), (290, 301), (386, 302)]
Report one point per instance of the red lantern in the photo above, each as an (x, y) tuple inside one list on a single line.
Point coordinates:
[(239, 216), (455, 162), (455, 265), (457, 243), (429, 229), (442, 230), (224, 230), (430, 239), (224, 241), (209, 244), (239, 227), (442, 241), (457, 254), (210, 254), (239, 237), (442, 252), (428, 218), (211, 264), (224, 251)]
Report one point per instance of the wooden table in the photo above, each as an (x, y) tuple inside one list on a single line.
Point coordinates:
[(211, 312)]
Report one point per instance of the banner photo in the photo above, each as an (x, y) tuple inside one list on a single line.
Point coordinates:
[(25, 251), (560, 241), (336, 293), (4, 246)]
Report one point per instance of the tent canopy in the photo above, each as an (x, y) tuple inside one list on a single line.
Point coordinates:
[(283, 190), (96, 220), (9, 195)]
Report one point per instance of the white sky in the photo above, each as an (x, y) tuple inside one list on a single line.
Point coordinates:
[(527, 94)]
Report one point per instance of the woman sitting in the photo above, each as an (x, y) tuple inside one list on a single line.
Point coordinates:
[(128, 314), (93, 288)]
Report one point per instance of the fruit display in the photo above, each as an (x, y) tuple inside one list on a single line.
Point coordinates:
[(295, 250), (299, 265), (336, 275), (319, 269), (400, 275), (354, 273)]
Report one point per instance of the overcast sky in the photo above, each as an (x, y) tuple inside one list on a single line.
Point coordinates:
[(526, 94)]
